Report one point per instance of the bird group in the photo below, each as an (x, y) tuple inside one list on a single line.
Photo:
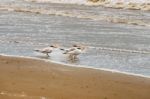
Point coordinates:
[(72, 52)]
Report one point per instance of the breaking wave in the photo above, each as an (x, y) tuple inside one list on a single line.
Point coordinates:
[(61, 1), (119, 4), (75, 14)]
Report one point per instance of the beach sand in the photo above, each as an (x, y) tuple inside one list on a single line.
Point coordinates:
[(23, 78)]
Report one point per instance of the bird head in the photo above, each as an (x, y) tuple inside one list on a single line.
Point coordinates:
[(79, 46), (54, 46)]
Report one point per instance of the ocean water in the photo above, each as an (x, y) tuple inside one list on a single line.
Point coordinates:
[(118, 39)]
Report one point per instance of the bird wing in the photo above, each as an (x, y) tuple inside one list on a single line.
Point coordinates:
[(47, 50), (67, 51), (44, 50)]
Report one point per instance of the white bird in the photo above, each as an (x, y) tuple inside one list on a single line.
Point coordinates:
[(46, 50), (67, 50), (73, 52)]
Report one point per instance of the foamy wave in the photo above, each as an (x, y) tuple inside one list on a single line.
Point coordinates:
[(113, 19), (130, 1), (123, 4), (119, 4), (61, 1), (123, 50)]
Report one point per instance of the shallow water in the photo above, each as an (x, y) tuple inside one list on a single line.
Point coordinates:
[(123, 47)]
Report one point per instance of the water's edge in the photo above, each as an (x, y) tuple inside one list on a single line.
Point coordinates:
[(76, 66)]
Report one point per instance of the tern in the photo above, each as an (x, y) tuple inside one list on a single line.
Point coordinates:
[(73, 52), (46, 50)]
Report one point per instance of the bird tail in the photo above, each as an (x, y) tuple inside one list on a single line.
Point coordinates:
[(62, 49), (37, 50)]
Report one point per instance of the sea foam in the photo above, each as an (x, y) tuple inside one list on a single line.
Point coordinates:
[(119, 4)]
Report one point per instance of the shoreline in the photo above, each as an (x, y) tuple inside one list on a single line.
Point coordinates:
[(38, 79), (77, 66)]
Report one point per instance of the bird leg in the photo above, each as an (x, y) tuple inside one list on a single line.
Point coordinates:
[(47, 54), (73, 57), (70, 56)]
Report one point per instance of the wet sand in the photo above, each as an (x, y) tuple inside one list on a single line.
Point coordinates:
[(22, 78)]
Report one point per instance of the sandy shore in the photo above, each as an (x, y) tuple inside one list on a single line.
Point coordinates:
[(22, 78)]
